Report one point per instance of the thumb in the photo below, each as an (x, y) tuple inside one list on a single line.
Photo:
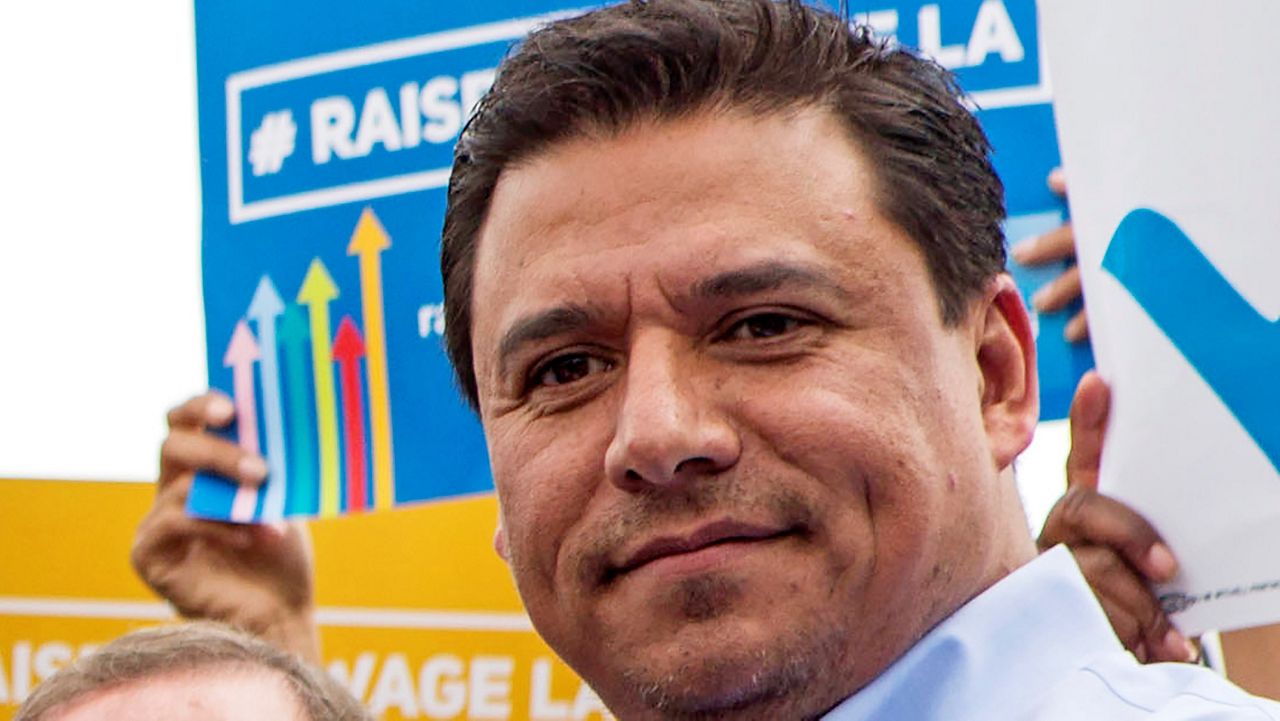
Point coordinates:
[(1089, 412)]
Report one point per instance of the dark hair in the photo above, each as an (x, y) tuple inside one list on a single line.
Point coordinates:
[(199, 646), (663, 59)]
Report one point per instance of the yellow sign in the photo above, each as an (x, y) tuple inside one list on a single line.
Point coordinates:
[(419, 618)]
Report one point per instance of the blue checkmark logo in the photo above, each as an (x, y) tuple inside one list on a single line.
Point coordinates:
[(1233, 347)]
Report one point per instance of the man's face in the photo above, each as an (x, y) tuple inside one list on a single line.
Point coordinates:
[(741, 461)]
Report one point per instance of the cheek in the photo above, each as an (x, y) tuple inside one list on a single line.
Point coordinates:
[(545, 478), (845, 425), (865, 434)]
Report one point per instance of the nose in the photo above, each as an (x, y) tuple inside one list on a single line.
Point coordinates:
[(670, 429)]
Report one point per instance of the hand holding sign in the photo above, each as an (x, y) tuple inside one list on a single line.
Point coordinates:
[(255, 577), (1057, 245), (1119, 552)]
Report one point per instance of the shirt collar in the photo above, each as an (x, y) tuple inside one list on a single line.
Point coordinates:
[(998, 654)]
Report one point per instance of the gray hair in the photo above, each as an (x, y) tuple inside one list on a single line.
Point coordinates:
[(201, 645)]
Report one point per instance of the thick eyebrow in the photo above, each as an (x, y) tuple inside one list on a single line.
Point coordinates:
[(540, 326), (765, 276), (769, 275)]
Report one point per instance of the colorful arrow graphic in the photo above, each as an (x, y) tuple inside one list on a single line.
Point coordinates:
[(368, 241), (265, 307), (241, 354), (318, 290), (1229, 343), (302, 497), (348, 349)]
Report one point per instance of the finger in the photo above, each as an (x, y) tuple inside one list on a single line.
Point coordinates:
[(1088, 416), (1060, 293), (271, 533), (1057, 244), (173, 493), (1058, 181), (170, 528), (1085, 518), (187, 450), (1174, 647), (1126, 628), (280, 531), (1130, 604), (1077, 330), (213, 408), (1124, 622)]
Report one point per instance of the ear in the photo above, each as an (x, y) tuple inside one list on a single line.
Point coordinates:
[(500, 541), (1006, 354)]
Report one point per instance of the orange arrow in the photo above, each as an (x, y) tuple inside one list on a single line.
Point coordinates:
[(367, 242)]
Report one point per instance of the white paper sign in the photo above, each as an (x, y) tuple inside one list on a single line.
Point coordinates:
[(1169, 118)]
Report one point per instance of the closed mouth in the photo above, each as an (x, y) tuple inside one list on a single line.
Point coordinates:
[(713, 534)]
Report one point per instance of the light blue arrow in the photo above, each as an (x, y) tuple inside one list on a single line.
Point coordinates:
[(1230, 344), (264, 308), (303, 497)]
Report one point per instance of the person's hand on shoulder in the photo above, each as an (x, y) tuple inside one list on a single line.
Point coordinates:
[(1120, 553), (256, 577), (1056, 245)]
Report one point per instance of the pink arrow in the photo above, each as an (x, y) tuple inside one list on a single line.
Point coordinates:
[(242, 353), (348, 349)]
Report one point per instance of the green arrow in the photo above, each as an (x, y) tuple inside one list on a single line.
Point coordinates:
[(318, 290)]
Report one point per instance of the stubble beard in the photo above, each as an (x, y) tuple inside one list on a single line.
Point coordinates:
[(792, 675), (790, 679), (788, 676)]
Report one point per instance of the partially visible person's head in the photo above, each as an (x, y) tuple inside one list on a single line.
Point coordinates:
[(197, 671), (724, 280)]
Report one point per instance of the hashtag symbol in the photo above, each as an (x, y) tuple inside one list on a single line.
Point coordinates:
[(272, 142)]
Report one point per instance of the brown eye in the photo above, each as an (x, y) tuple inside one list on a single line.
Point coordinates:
[(568, 369), (763, 325)]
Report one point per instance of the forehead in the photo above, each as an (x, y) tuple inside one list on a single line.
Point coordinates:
[(204, 694), (719, 170), (670, 203)]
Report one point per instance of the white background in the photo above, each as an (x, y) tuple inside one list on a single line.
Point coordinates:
[(100, 316), (100, 310)]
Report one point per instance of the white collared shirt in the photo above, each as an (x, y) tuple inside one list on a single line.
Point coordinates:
[(1037, 647)]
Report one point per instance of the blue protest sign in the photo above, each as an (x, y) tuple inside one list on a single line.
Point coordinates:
[(326, 140), (325, 146)]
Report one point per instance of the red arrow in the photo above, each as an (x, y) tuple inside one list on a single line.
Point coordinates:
[(242, 353), (348, 349)]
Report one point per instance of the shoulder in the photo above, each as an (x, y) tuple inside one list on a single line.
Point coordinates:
[(1114, 687)]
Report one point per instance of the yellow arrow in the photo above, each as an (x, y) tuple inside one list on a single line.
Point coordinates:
[(368, 241), (318, 289)]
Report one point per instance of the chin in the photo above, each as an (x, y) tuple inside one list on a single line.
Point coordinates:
[(731, 668)]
